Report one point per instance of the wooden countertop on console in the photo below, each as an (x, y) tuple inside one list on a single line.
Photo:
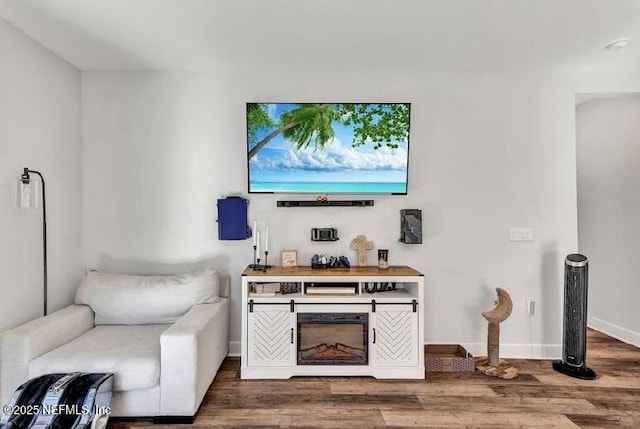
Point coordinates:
[(337, 272)]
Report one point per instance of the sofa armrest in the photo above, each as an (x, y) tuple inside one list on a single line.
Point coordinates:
[(21, 345), (224, 282), (191, 351)]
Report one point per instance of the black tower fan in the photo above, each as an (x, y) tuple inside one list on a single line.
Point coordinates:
[(574, 336)]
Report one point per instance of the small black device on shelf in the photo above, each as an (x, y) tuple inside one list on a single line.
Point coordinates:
[(324, 234)]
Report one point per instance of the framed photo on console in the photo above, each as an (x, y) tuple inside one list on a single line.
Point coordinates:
[(288, 258)]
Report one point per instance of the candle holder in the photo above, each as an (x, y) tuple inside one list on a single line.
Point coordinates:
[(383, 259), (255, 264), (265, 266)]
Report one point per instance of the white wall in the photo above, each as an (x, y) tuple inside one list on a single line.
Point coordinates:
[(608, 153), (40, 129), (488, 151)]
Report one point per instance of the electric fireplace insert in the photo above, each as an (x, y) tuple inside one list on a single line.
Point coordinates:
[(333, 338)]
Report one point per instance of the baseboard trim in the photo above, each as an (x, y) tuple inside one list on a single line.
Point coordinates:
[(234, 349), (618, 332), (519, 351)]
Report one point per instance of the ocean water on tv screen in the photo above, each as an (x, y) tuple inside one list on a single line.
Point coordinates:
[(330, 187)]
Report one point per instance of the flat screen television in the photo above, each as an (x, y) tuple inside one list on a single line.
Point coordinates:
[(328, 148)]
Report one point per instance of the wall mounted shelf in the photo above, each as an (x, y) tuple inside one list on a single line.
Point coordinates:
[(333, 203)]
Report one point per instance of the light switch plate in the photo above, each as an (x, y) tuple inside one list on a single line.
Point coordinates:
[(521, 234)]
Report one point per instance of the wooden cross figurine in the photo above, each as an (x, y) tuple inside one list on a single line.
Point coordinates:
[(361, 244)]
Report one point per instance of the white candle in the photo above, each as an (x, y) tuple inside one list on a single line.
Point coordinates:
[(255, 231), (266, 240), (258, 243)]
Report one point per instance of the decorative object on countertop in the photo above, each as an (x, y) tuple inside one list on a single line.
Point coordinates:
[(288, 258), (256, 250), (383, 258), (361, 245), (322, 261), (492, 364), (411, 226), (254, 230)]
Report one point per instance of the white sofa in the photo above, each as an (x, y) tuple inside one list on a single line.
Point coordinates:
[(164, 338)]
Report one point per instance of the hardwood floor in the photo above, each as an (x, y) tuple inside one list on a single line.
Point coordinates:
[(538, 398)]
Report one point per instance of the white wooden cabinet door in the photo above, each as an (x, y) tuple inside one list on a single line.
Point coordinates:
[(393, 336), (271, 336)]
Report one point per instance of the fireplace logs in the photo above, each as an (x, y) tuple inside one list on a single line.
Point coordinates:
[(312, 352), (356, 352), (329, 352)]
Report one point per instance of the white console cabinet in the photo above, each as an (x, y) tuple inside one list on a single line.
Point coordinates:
[(333, 313)]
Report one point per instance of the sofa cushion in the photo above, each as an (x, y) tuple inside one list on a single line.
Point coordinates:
[(123, 299), (132, 353)]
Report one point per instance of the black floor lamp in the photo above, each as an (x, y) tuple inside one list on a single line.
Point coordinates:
[(26, 179)]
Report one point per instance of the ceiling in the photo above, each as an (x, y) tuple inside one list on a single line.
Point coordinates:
[(341, 35)]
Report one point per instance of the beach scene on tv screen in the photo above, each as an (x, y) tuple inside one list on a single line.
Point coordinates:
[(328, 148)]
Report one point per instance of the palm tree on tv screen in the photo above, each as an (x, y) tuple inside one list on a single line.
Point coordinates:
[(380, 124)]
